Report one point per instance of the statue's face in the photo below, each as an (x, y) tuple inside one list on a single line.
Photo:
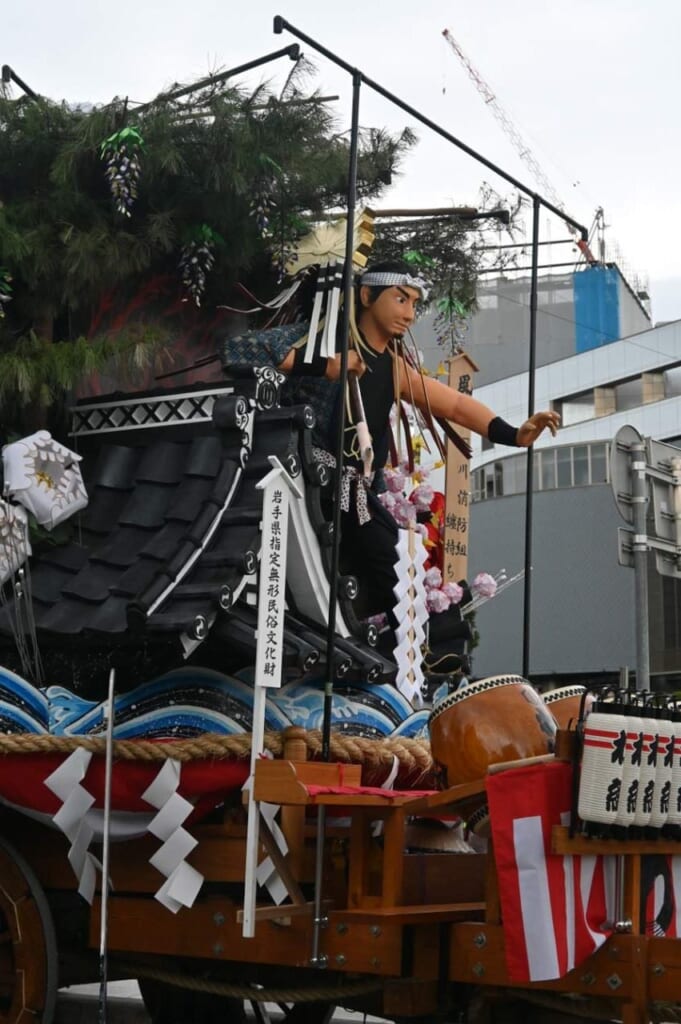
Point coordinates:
[(392, 312)]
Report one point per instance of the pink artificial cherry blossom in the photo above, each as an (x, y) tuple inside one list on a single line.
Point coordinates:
[(484, 585), (453, 591)]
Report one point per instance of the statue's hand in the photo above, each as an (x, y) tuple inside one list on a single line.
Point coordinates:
[(535, 425)]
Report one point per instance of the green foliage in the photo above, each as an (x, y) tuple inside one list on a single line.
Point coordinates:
[(36, 375), (201, 163)]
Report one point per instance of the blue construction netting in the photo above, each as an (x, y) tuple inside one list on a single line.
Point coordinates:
[(597, 309)]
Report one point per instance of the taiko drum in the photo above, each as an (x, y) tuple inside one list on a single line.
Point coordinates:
[(502, 718), (564, 704)]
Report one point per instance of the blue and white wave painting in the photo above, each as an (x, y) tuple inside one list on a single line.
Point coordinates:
[(23, 708), (189, 701)]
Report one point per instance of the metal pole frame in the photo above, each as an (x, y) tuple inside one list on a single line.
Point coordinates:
[(529, 489), (292, 51), (538, 201), (345, 331), (10, 75), (358, 78)]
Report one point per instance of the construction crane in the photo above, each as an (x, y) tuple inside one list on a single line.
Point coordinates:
[(523, 150)]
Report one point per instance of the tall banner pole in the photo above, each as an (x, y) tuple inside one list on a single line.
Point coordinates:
[(457, 482), (106, 848)]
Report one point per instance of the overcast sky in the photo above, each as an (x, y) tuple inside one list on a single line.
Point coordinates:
[(591, 85)]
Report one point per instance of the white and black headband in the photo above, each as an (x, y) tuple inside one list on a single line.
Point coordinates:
[(393, 279)]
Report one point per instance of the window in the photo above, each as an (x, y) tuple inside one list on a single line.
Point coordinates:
[(564, 467), (498, 479), (628, 394), (599, 463), (548, 470), (515, 474), (672, 382), (578, 408), (580, 465)]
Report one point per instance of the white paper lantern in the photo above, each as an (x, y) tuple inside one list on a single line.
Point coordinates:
[(44, 477), (674, 817), (600, 785), (647, 787), (626, 812), (663, 774)]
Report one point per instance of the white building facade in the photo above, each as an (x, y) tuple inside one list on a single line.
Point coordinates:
[(582, 614)]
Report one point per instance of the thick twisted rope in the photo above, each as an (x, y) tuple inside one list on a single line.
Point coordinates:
[(413, 755), (306, 994)]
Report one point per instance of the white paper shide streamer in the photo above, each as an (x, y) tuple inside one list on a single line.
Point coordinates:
[(411, 614), (71, 818), (44, 477), (14, 544), (183, 882)]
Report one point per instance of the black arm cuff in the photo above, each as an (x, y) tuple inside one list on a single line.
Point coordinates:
[(501, 432), (317, 368)]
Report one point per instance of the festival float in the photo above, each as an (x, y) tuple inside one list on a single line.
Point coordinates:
[(207, 788)]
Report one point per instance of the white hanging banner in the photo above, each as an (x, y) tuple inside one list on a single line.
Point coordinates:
[(44, 477), (277, 487)]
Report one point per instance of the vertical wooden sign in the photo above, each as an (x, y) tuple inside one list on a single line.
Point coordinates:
[(457, 483)]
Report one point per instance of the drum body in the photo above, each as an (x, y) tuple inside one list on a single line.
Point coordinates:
[(502, 718), (564, 704)]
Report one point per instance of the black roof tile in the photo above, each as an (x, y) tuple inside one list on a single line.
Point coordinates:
[(205, 457), (67, 616), (138, 577), (124, 546), (71, 557), (103, 510), (114, 468), (163, 543), (147, 505), (162, 463), (189, 496), (47, 583), (92, 583), (110, 617)]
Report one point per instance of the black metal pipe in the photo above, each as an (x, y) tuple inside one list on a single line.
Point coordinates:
[(345, 332), (281, 23), (10, 75), (515, 270), (529, 493), (292, 51), (520, 245)]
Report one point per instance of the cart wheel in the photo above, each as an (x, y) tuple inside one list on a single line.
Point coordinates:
[(28, 947), (170, 1004), (310, 1013)]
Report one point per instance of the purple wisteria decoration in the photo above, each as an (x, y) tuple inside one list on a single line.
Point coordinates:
[(121, 153)]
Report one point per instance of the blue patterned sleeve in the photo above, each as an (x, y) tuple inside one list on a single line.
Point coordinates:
[(267, 347)]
